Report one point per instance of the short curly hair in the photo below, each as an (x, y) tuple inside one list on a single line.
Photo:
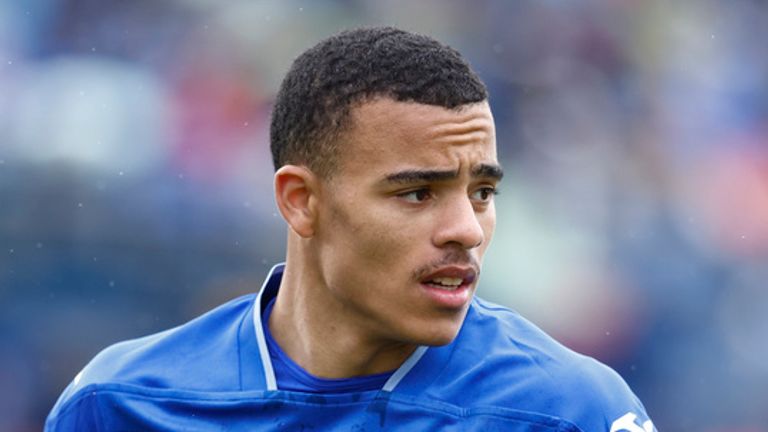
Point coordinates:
[(313, 105)]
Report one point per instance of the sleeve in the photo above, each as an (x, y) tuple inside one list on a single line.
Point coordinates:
[(608, 404), (78, 412)]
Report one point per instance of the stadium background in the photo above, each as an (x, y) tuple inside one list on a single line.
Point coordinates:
[(633, 222)]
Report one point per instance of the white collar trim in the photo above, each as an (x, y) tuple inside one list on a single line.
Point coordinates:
[(266, 360)]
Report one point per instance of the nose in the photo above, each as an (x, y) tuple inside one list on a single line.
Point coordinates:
[(459, 225)]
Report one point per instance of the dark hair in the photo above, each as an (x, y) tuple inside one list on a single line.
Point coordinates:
[(325, 82)]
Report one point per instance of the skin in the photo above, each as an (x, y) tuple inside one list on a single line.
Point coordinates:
[(413, 193)]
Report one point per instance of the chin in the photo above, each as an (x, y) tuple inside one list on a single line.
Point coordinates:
[(439, 341), (439, 335)]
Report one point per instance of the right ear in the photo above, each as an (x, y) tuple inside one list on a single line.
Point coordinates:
[(296, 196)]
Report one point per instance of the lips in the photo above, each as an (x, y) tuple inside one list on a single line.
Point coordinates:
[(451, 277), (450, 287)]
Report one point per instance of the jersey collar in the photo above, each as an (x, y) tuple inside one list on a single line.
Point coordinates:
[(267, 292)]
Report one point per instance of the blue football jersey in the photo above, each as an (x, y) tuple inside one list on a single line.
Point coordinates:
[(501, 373)]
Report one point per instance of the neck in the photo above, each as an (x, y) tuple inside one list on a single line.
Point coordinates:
[(317, 332)]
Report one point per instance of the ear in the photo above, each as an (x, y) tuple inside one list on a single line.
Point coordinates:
[(295, 193)]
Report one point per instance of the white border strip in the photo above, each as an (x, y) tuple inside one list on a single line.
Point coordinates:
[(266, 361), (403, 370)]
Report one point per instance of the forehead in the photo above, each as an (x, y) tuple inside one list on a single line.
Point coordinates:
[(384, 131)]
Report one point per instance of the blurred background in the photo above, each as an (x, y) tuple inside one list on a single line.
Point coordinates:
[(135, 179)]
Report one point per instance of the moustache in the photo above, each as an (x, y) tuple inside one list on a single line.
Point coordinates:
[(454, 257)]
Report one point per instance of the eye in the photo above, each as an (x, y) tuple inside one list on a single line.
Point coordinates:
[(484, 194), (416, 196)]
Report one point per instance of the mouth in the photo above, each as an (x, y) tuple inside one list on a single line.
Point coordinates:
[(450, 287), (446, 283)]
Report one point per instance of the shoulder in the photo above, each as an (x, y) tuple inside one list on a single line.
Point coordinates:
[(512, 363), (164, 359), (200, 355)]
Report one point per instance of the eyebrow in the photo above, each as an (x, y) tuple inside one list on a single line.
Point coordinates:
[(490, 171)]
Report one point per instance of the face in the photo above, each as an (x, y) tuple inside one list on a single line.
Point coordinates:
[(405, 220)]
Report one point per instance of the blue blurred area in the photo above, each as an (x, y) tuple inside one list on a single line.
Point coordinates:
[(135, 179)]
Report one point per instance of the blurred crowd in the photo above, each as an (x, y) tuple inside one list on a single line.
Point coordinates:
[(135, 179)]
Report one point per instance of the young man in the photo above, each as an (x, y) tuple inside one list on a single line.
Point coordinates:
[(386, 170)]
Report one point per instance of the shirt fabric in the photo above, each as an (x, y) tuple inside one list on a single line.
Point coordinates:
[(215, 373)]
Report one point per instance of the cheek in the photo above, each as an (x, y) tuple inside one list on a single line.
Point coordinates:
[(378, 241), (363, 235), (488, 223)]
